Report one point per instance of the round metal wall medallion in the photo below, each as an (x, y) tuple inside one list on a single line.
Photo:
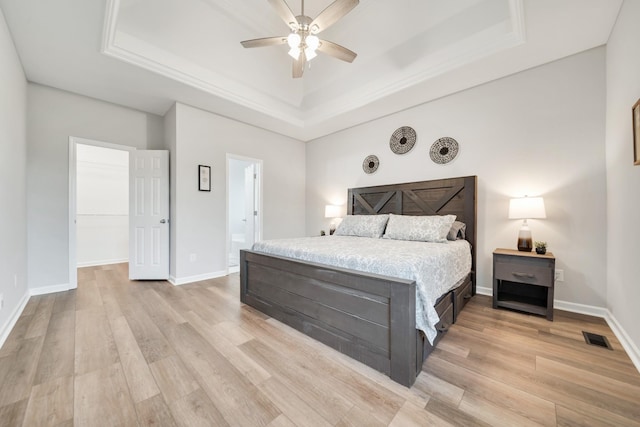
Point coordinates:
[(444, 150), (370, 164), (402, 140)]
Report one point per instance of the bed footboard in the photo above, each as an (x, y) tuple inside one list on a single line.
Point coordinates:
[(368, 317)]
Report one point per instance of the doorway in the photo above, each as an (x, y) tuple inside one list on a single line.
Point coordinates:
[(98, 204), (244, 208)]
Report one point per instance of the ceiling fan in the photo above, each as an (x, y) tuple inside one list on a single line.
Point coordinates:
[(303, 41)]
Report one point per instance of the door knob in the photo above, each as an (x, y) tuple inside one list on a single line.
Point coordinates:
[(162, 221)]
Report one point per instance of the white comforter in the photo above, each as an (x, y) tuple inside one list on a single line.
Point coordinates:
[(435, 267)]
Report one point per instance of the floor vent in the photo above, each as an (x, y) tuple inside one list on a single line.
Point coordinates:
[(595, 339)]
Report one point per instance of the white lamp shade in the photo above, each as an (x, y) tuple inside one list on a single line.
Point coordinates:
[(332, 211), (527, 208)]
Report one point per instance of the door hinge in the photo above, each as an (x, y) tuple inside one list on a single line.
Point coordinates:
[(255, 213), (255, 176)]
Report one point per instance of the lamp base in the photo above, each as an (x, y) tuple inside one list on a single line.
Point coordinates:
[(525, 243)]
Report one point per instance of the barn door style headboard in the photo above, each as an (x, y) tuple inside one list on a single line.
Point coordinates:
[(455, 196)]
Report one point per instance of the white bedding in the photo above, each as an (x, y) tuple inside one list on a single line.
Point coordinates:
[(435, 267)]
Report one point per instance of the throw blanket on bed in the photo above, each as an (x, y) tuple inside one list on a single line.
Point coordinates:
[(435, 267)]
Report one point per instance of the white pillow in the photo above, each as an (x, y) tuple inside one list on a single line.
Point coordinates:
[(431, 228), (362, 225)]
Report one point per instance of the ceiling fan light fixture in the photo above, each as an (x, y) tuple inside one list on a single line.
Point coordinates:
[(312, 42), (293, 40), (294, 52), (310, 54)]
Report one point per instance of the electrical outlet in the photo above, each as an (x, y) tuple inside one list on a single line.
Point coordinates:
[(559, 275), (1, 301), (193, 257)]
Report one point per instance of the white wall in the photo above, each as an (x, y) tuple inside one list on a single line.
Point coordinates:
[(54, 115), (102, 200), (539, 132), (199, 217), (13, 163), (623, 178)]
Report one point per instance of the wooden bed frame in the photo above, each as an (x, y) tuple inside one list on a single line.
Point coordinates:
[(368, 317)]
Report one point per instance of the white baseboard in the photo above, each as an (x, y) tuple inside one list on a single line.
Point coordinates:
[(235, 269), (625, 340), (13, 318), (177, 281), (49, 289), (573, 307), (484, 291), (622, 336), (103, 262)]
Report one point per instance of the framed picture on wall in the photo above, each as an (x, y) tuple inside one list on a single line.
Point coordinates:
[(204, 178), (636, 133)]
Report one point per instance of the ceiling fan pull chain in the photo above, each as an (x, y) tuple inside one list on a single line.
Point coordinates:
[(302, 8)]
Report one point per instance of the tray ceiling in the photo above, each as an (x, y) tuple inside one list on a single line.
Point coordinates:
[(146, 54)]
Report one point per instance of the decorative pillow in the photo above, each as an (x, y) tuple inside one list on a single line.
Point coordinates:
[(432, 228), (458, 231), (362, 225)]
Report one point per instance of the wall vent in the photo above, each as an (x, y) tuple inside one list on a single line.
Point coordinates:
[(595, 339)]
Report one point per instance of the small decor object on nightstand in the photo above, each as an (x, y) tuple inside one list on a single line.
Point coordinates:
[(402, 140), (444, 150), (526, 208), (370, 164), (541, 247)]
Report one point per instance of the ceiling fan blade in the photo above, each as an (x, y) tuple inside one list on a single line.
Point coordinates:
[(332, 14), (267, 41), (337, 51), (298, 65), (285, 13)]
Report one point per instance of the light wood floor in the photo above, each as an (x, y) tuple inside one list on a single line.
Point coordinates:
[(115, 352)]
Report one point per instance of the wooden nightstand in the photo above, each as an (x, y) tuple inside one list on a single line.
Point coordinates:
[(524, 281)]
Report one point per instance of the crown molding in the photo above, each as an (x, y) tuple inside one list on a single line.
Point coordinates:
[(127, 48)]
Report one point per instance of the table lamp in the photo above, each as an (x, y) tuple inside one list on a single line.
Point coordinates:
[(526, 208), (333, 212)]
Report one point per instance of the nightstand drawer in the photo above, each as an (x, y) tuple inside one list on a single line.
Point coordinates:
[(523, 272)]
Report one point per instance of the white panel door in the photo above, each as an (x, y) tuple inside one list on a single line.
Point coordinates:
[(149, 215)]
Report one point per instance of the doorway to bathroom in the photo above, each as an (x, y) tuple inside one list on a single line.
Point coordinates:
[(244, 206)]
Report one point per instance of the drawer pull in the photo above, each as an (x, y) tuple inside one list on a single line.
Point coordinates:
[(467, 296), (527, 275), (443, 328)]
